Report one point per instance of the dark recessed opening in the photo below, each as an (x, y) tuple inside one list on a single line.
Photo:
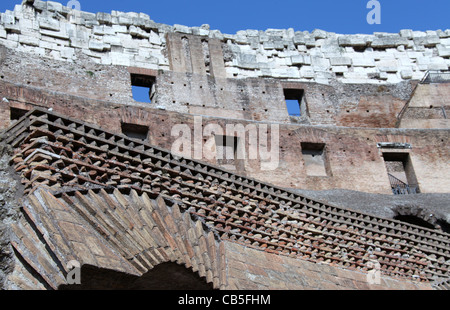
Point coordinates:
[(16, 113), (143, 87), (135, 131), (314, 158), (226, 148), (165, 276), (444, 226), (227, 141), (295, 102), (401, 173), (411, 219)]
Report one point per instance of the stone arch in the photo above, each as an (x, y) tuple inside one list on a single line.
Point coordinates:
[(416, 215), (165, 276), (146, 237)]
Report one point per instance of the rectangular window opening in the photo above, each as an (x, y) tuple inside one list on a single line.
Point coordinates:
[(16, 113), (135, 131), (206, 56), (295, 102), (314, 158), (226, 150), (143, 87), (401, 173)]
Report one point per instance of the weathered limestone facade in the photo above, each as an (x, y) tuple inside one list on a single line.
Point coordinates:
[(133, 39)]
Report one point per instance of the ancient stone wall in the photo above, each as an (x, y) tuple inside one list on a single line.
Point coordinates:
[(258, 99), (133, 39), (429, 107), (10, 191), (345, 80), (199, 72), (251, 269), (352, 157)]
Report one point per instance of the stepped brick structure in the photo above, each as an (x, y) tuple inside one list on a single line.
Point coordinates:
[(351, 193)]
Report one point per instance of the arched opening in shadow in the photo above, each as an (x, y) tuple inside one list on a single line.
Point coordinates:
[(444, 226), (166, 276), (411, 219)]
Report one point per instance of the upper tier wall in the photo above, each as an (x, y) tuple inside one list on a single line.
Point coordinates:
[(133, 39)]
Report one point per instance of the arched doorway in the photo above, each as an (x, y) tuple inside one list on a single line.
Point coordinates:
[(166, 276)]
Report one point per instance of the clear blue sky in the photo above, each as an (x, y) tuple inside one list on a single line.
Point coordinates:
[(345, 16)]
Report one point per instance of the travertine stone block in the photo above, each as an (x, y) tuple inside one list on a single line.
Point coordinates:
[(406, 74), (54, 6), (46, 22), (352, 40), (389, 41), (40, 5), (181, 28), (98, 45), (363, 62), (341, 61), (104, 18), (2, 32), (406, 33), (443, 51), (29, 40), (8, 18)]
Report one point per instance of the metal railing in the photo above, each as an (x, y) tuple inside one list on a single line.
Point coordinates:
[(436, 77), (401, 188)]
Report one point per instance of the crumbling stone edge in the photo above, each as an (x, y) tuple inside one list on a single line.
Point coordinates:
[(10, 193)]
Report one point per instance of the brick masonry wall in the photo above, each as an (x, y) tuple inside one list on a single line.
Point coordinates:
[(259, 99), (115, 196), (353, 158), (256, 270), (263, 99), (429, 107)]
